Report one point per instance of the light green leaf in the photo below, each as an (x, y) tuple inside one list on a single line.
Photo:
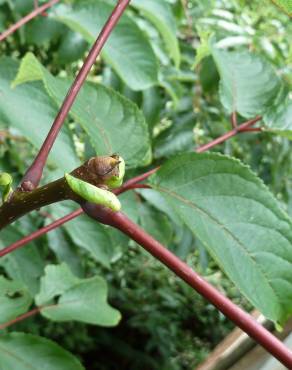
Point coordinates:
[(128, 50), (248, 83), (159, 13), (82, 300), (278, 119), (239, 221), (113, 123), (93, 194), (25, 351), (36, 118), (57, 279), (14, 299), (203, 50), (285, 5)]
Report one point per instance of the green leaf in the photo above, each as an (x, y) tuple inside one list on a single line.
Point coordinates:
[(156, 223), (65, 250), (278, 119), (285, 5), (248, 83), (25, 351), (37, 115), (77, 299), (239, 221), (159, 13), (113, 123), (42, 30), (14, 299), (94, 238), (128, 50), (93, 194), (24, 264), (72, 48), (203, 50)]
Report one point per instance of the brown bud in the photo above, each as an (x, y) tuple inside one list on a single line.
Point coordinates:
[(104, 166)]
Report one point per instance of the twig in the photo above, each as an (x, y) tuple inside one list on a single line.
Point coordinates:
[(26, 19), (40, 232), (228, 135), (242, 319), (21, 318), (34, 172)]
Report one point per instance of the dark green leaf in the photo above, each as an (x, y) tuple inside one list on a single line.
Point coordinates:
[(239, 221), (25, 351)]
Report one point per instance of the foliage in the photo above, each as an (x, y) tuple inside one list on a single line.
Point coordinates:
[(163, 86)]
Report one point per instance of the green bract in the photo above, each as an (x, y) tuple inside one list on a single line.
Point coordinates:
[(116, 181), (5, 183), (93, 194)]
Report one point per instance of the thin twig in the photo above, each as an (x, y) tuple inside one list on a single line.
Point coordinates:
[(228, 135), (39, 232), (27, 18), (21, 318), (34, 172)]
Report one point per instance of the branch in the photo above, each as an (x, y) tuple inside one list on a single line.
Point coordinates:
[(34, 172), (22, 202), (242, 319), (27, 18), (40, 232), (128, 185), (54, 225)]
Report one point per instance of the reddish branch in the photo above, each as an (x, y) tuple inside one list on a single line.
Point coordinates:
[(40, 232), (128, 185), (21, 318), (242, 319), (37, 11), (34, 172), (236, 130)]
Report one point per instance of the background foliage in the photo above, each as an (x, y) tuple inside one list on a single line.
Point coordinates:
[(158, 79)]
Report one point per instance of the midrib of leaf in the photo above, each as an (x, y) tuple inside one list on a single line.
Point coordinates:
[(228, 232)]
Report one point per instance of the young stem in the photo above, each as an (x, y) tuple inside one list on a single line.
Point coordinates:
[(34, 172), (27, 18), (242, 319)]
